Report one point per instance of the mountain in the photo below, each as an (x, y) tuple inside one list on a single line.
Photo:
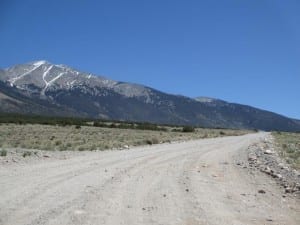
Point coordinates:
[(12, 100), (44, 88)]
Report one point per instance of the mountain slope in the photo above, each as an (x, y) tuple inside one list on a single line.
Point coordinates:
[(12, 100), (66, 91)]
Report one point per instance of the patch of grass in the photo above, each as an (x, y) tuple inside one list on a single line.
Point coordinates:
[(288, 146)]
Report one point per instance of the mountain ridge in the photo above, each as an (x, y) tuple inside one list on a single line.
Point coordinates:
[(67, 91)]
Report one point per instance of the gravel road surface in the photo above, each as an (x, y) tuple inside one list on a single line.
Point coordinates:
[(194, 182)]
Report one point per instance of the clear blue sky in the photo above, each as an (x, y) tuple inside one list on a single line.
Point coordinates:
[(240, 51)]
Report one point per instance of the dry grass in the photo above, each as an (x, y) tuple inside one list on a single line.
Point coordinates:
[(288, 145), (45, 137)]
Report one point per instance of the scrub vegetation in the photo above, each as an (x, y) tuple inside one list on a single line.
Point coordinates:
[(288, 146), (77, 137)]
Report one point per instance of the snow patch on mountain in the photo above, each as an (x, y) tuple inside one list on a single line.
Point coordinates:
[(205, 99), (51, 82), (46, 72), (39, 63), (14, 79), (51, 75)]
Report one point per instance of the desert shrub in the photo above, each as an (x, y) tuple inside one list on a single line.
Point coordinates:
[(3, 152), (188, 129), (77, 126), (92, 147), (46, 146), (61, 148), (99, 124), (222, 133), (149, 142), (150, 126), (81, 148), (152, 141), (52, 137), (25, 154), (126, 126), (176, 130), (58, 142), (155, 141), (290, 150), (68, 145), (113, 125)]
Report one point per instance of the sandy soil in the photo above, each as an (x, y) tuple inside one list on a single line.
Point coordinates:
[(195, 182)]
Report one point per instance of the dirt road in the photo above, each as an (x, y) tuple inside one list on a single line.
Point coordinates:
[(195, 182)]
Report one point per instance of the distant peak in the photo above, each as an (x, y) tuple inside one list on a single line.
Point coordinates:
[(40, 62)]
